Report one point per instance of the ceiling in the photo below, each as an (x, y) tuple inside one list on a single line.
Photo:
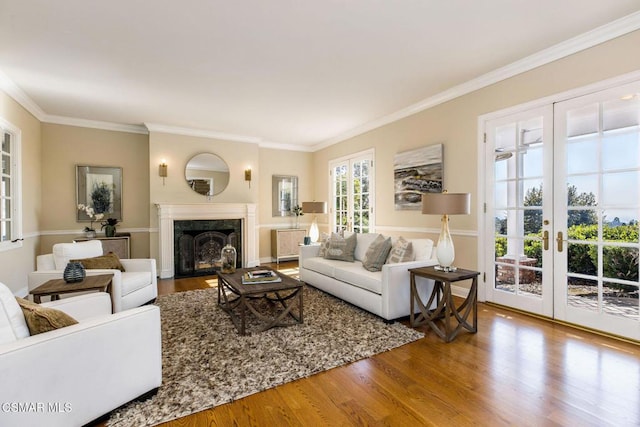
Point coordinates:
[(296, 74)]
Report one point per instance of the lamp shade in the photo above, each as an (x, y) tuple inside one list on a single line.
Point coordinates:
[(314, 207), (446, 203)]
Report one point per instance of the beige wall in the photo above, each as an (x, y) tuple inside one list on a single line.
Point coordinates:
[(64, 147), (455, 124), (282, 162), (15, 263), (177, 150)]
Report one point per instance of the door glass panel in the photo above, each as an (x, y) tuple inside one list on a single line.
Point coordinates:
[(518, 205), (583, 121), (582, 293), (620, 113), (621, 228), (620, 188), (585, 153), (619, 300), (532, 162), (620, 152)]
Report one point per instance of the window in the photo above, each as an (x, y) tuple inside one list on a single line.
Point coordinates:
[(10, 224), (352, 187)]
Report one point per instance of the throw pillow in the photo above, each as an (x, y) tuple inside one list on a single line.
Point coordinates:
[(340, 248), (402, 251), (324, 244), (377, 253), (43, 319), (108, 261)]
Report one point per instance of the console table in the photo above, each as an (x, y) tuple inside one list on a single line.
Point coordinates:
[(285, 243), (446, 308)]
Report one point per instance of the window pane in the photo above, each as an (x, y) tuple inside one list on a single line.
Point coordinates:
[(583, 121), (620, 113), (620, 189), (6, 164), (620, 151), (6, 143), (582, 156)]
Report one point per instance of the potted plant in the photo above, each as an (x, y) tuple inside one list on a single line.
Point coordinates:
[(297, 211), (89, 231), (109, 227)]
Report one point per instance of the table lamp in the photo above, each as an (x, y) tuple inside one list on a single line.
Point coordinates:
[(446, 204), (314, 208)]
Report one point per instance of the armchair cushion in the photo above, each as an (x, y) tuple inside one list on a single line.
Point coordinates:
[(64, 252), (108, 261), (43, 319), (12, 324)]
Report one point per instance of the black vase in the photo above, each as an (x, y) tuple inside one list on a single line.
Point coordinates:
[(74, 272)]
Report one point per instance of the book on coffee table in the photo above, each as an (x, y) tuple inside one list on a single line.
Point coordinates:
[(260, 276)]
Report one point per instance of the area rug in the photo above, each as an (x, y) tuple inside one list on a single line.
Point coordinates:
[(206, 363)]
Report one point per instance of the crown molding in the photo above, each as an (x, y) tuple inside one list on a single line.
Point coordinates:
[(566, 48), (288, 147), (94, 124), (10, 88), (176, 130)]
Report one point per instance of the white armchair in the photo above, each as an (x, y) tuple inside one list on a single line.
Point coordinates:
[(76, 374), (137, 285)]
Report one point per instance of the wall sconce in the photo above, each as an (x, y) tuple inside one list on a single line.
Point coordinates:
[(162, 170), (247, 176)]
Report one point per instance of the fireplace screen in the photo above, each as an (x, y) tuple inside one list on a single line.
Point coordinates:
[(198, 245)]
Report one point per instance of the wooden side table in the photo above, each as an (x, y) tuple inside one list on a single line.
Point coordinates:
[(446, 308), (57, 287)]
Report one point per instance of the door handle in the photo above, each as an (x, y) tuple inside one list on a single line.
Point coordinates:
[(545, 240), (559, 241)]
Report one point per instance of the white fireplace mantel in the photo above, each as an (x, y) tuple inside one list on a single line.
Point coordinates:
[(168, 213)]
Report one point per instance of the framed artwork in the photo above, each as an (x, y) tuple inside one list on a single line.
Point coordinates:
[(416, 172), (101, 188)]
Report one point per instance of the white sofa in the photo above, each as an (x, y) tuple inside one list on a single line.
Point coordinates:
[(384, 293), (76, 374), (137, 285)]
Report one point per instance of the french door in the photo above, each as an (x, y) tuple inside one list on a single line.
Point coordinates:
[(352, 193), (597, 165), (519, 211), (563, 210)]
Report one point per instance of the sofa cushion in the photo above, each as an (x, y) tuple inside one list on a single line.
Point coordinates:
[(377, 253), (354, 274), (341, 248), (134, 280), (422, 249), (402, 251), (364, 241), (12, 324), (108, 261), (43, 319), (64, 252), (320, 265)]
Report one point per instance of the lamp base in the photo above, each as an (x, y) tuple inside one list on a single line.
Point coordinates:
[(449, 269)]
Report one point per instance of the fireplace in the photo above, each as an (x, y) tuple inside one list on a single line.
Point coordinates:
[(198, 245), (245, 234)]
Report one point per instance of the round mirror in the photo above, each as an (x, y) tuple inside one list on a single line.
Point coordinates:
[(207, 174)]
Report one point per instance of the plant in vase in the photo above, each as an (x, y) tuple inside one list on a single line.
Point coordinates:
[(109, 227), (89, 231), (297, 211)]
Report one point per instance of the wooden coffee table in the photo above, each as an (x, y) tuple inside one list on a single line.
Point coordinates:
[(237, 299), (57, 287)]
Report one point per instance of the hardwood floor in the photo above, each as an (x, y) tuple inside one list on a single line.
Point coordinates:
[(517, 370)]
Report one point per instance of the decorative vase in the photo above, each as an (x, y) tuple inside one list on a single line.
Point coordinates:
[(74, 272), (109, 230), (90, 234), (228, 261)]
